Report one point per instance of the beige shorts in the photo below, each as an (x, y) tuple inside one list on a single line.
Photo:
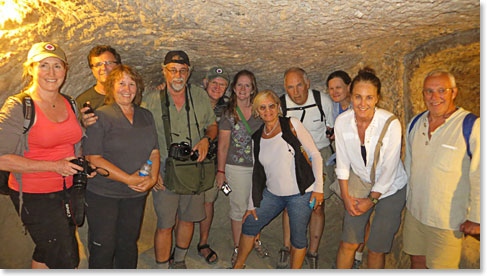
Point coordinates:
[(328, 172), (240, 180), (212, 194), (442, 248), (189, 208)]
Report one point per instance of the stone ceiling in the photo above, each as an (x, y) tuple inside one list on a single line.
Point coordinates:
[(264, 36)]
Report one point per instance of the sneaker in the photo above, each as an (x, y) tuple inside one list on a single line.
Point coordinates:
[(283, 262), (177, 265), (261, 249), (356, 264), (234, 255), (312, 260)]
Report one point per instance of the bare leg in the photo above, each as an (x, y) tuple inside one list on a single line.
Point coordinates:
[(184, 233), (236, 231), (345, 254), (297, 257), (163, 244), (286, 230), (245, 245), (205, 226), (376, 260), (418, 262), (37, 265), (316, 225)]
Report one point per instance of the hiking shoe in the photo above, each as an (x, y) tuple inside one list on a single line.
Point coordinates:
[(284, 254), (177, 265), (261, 249), (356, 264), (234, 255), (312, 260)]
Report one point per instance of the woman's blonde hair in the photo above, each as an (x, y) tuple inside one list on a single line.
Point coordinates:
[(117, 74), (263, 95)]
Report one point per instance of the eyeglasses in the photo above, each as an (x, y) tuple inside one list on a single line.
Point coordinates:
[(107, 63), (270, 107), (440, 91), (174, 71)]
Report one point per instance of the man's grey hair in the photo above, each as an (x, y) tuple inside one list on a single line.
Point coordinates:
[(439, 72), (296, 70)]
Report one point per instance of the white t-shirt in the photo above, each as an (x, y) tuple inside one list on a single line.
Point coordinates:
[(312, 119), (277, 158)]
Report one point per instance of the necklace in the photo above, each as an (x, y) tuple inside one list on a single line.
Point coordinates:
[(274, 128)]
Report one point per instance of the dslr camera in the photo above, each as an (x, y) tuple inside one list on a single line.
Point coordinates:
[(75, 207), (183, 152), (211, 155)]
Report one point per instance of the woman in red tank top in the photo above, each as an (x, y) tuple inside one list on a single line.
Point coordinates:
[(39, 160)]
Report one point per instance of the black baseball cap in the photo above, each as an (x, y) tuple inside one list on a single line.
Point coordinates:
[(177, 57)]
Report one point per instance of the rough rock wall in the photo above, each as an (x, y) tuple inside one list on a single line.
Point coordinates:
[(401, 40)]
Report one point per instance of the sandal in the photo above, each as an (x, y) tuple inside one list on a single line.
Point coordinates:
[(283, 261), (207, 258), (261, 249)]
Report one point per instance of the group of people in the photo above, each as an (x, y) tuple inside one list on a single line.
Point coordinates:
[(269, 154)]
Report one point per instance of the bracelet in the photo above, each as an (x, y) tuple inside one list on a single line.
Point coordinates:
[(220, 171), (207, 137)]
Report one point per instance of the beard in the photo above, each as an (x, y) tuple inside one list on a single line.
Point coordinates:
[(177, 87)]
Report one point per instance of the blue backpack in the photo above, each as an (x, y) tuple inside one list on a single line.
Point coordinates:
[(467, 126)]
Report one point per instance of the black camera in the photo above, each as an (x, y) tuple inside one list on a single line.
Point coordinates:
[(211, 155), (75, 209), (80, 179), (90, 110), (329, 132), (183, 152)]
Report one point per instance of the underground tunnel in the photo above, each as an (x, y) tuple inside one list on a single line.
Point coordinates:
[(400, 40)]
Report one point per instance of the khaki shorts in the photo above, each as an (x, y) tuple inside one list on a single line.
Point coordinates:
[(328, 172), (167, 204), (240, 180), (442, 248), (212, 194)]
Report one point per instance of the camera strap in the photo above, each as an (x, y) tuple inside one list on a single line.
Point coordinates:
[(166, 114), (67, 201)]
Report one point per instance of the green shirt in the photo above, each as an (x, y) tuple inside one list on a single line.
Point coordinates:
[(178, 119), (96, 99)]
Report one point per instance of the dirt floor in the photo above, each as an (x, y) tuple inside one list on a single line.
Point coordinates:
[(16, 248)]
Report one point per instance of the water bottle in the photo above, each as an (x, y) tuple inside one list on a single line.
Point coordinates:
[(146, 169)]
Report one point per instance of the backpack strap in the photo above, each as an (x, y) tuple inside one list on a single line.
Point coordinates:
[(317, 97), (467, 126), (415, 119), (283, 105)]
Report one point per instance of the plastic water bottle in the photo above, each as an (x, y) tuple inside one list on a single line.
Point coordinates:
[(146, 169)]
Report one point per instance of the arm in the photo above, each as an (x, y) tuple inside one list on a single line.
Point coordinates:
[(115, 173), (390, 156), (19, 164), (222, 152), (316, 160), (150, 181), (472, 224)]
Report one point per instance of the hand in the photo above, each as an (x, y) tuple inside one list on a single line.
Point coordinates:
[(362, 205), (202, 147), (159, 186), (94, 171), (248, 213), (87, 119), (469, 227), (145, 185), (65, 168), (348, 202), (319, 199), (135, 179), (220, 178), (161, 86)]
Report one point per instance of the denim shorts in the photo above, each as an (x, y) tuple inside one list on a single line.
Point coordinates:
[(272, 205)]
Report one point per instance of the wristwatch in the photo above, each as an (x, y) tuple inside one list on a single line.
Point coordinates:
[(207, 137), (373, 199)]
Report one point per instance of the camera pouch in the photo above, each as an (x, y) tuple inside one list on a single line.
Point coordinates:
[(188, 177)]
